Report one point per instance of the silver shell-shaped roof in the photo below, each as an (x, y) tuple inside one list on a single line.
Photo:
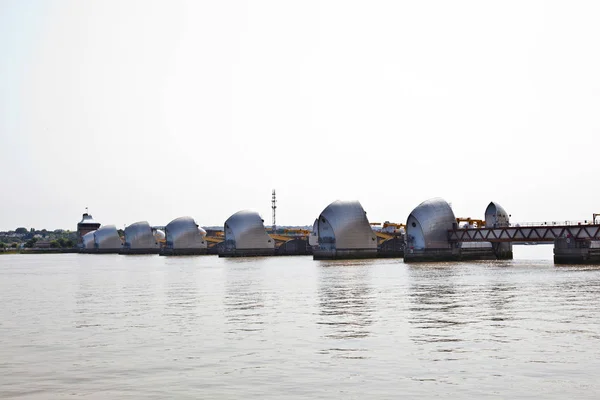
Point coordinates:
[(245, 230), (87, 241), (107, 238), (496, 216), (88, 219), (428, 224), (346, 222), (313, 238), (159, 235), (184, 233), (139, 236)]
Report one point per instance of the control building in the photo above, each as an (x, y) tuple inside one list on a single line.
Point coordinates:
[(86, 225)]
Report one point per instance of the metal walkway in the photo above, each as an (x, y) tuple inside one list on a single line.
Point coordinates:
[(525, 233)]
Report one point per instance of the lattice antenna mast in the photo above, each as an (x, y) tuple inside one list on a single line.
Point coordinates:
[(274, 207)]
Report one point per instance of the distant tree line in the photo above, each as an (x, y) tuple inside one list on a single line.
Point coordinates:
[(29, 237), (62, 243)]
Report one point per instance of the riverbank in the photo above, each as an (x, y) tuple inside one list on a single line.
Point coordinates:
[(40, 251)]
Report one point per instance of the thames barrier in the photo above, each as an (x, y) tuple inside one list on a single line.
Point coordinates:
[(432, 233)]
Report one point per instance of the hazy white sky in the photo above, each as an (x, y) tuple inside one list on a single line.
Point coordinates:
[(146, 110)]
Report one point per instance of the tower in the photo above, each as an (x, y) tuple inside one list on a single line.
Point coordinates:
[(86, 225), (274, 207)]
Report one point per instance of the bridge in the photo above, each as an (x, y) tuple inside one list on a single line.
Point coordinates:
[(529, 232)]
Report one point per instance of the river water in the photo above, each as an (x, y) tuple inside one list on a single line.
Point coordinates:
[(150, 327)]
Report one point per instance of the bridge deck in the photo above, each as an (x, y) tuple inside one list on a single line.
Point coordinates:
[(524, 233)]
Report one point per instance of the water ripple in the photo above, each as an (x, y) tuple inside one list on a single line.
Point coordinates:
[(159, 327)]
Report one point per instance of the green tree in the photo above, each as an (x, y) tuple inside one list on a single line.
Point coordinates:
[(14, 245), (2, 245), (21, 231), (30, 243), (55, 244)]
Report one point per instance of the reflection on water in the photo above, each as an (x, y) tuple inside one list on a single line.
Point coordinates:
[(436, 310), (500, 296), (285, 327), (244, 296), (345, 305), (84, 304), (181, 297), (455, 317)]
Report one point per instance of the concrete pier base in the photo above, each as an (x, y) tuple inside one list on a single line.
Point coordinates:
[(126, 251), (503, 251), (504, 255), (571, 251), (390, 254), (431, 255), (457, 254), (294, 247), (182, 252), (392, 248), (100, 251), (246, 252), (343, 254), (477, 254), (215, 249)]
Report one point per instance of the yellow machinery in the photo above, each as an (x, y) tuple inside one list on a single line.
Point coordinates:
[(388, 224), (302, 232), (281, 238), (212, 241), (479, 223), (382, 237)]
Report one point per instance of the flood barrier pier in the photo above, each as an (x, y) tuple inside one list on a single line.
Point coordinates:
[(342, 230)]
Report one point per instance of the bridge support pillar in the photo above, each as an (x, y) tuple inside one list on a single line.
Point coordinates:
[(568, 250), (503, 251), (431, 255)]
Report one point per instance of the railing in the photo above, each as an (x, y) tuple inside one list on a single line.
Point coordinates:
[(552, 223), (534, 233)]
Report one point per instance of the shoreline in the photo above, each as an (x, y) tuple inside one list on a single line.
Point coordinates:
[(40, 251)]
